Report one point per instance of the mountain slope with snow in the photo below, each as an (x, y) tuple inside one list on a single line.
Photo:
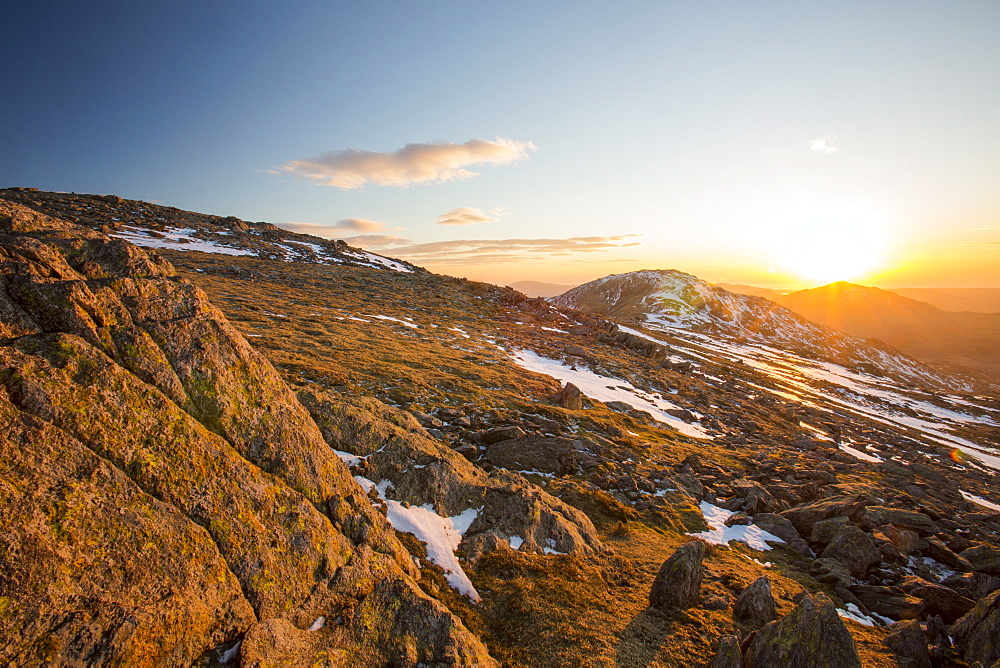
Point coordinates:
[(168, 228), (672, 300)]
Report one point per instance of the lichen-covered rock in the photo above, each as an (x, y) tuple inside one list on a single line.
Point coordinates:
[(890, 602), (854, 548), (983, 559), (812, 634), (755, 605), (728, 654), (535, 453), (785, 530), (977, 634), (176, 490), (677, 585), (908, 643), (93, 568)]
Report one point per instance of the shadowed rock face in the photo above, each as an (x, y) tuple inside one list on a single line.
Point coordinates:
[(977, 634), (678, 583), (170, 492), (810, 635), (755, 605)]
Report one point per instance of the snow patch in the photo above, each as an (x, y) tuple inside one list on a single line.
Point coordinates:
[(441, 535), (607, 389), (400, 321), (720, 534), (979, 500)]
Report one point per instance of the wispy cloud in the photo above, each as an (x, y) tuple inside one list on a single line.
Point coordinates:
[(824, 144), (337, 230), (353, 168), (377, 240), (494, 251), (466, 216)]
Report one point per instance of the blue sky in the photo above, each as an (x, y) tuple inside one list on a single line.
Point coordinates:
[(756, 142)]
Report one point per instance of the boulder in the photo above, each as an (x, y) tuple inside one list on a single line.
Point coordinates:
[(854, 548), (535, 453), (728, 654), (569, 397), (874, 516), (940, 600), (497, 434), (824, 530), (785, 530), (677, 585), (908, 643), (983, 559), (938, 551), (755, 605), (812, 634), (977, 634), (890, 602), (804, 517)]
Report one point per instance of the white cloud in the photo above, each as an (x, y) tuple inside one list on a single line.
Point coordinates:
[(353, 168), (824, 144), (337, 229), (465, 216), (376, 240), (494, 251)]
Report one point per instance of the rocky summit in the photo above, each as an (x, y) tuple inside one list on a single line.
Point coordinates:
[(228, 444)]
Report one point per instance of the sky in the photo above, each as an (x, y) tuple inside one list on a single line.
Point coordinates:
[(780, 144)]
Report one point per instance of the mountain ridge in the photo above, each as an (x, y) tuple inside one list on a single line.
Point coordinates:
[(957, 339)]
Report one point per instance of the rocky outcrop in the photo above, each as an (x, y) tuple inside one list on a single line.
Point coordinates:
[(389, 444), (908, 643), (728, 654), (536, 453), (678, 583), (977, 634), (755, 605), (854, 548), (785, 530), (812, 634), (178, 493), (983, 559)]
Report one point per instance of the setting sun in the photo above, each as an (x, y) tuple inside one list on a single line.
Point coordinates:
[(826, 242)]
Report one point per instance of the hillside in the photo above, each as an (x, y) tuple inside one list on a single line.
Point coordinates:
[(958, 340), (355, 464), (978, 300)]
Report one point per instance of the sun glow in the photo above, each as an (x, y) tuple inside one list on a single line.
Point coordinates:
[(826, 242)]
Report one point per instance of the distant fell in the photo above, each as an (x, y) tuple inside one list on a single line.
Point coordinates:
[(968, 340), (539, 289), (753, 290), (979, 300)]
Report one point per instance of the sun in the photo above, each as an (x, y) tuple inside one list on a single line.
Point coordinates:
[(826, 242)]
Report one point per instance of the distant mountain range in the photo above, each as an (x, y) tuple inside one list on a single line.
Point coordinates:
[(969, 340), (538, 289), (672, 300)]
